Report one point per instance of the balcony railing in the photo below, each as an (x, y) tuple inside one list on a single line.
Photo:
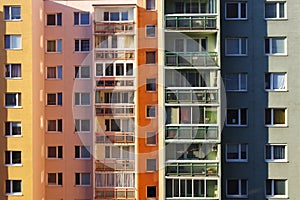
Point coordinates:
[(114, 27), (114, 110), (206, 96), (114, 54), (191, 133), (197, 59), (112, 83), (191, 22), (114, 194), (115, 137), (192, 169), (115, 165)]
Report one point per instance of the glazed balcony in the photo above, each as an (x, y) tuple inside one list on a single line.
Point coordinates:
[(191, 133), (190, 22), (192, 169), (113, 27), (114, 54), (114, 110), (110, 83), (114, 194), (189, 59), (115, 137), (114, 165), (205, 96)]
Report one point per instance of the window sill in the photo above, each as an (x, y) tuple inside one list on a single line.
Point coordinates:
[(54, 52), (82, 105), (82, 78), (277, 196), (276, 19), (82, 132), (49, 26), (276, 161), (54, 185), (82, 158), (17, 107), (13, 165), (236, 19), (13, 194), (234, 91), (236, 161), (16, 78), (237, 196), (13, 20), (14, 49), (278, 55), (81, 51), (270, 90), (81, 25), (53, 132), (236, 125), (277, 126), (236, 55), (54, 158), (13, 136), (82, 185), (53, 79)]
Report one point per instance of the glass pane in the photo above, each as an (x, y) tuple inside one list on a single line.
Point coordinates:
[(279, 116), (232, 187), (85, 98), (232, 46), (278, 45), (231, 10), (279, 81), (279, 187), (85, 72), (270, 10), (51, 19), (85, 18), (59, 45), (232, 116)]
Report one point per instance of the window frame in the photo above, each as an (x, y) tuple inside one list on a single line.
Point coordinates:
[(148, 114), (11, 188), (57, 124), (272, 195), (148, 31), (277, 10), (272, 153), (58, 46), (101, 69), (240, 47), (239, 195), (151, 135), (57, 22), (270, 39), (58, 99), (271, 84), (9, 70), (17, 99), (78, 129), (147, 192), (80, 174), (79, 149), (150, 5), (80, 19), (150, 166), (272, 117), (151, 85), (239, 152), (239, 115), (80, 45), (239, 79), (58, 72), (11, 162), (10, 14), (11, 37), (79, 71), (239, 11), (58, 176), (149, 62), (58, 152), (79, 96)]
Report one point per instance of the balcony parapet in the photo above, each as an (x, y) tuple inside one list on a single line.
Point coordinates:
[(195, 96), (114, 54), (114, 165), (114, 110), (113, 27), (115, 137)]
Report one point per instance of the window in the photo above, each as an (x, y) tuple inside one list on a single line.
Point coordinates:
[(151, 111), (116, 179), (275, 116), (236, 188), (13, 187), (82, 125), (119, 152), (54, 72), (81, 18), (82, 152), (151, 84), (150, 4), (114, 69), (236, 117), (12, 13), (276, 188), (150, 31), (13, 71), (236, 11), (13, 42), (151, 191), (151, 165), (275, 152), (54, 125), (54, 46), (82, 99), (13, 158), (151, 138), (275, 10), (119, 125), (54, 99), (116, 16), (236, 152), (55, 152), (82, 179), (151, 57), (236, 46), (275, 46), (54, 19), (55, 178), (82, 72), (12, 128), (82, 45), (13, 100), (275, 81), (235, 82)]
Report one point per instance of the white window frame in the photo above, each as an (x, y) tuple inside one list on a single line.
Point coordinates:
[(122, 151), (151, 8), (272, 118), (102, 67), (18, 97), (80, 67), (57, 174), (239, 195), (56, 124), (277, 5), (149, 28), (80, 150), (80, 177), (239, 77), (79, 96), (80, 45), (239, 11), (150, 135), (11, 163), (79, 125), (272, 81), (57, 69), (11, 38), (56, 152), (56, 19), (239, 152), (11, 193), (239, 110), (17, 123), (272, 189), (148, 163), (270, 46), (11, 18), (240, 53), (120, 16), (272, 159), (79, 19), (58, 46), (9, 69), (155, 111)]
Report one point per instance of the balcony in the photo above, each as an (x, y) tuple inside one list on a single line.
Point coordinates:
[(204, 96), (115, 110), (114, 165), (185, 22), (188, 59), (114, 27), (192, 169), (114, 194), (115, 83), (114, 54), (115, 137), (180, 133)]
